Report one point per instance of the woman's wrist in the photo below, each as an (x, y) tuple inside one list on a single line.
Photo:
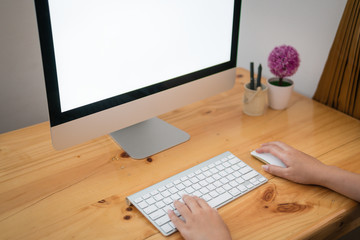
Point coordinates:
[(323, 174), (326, 175)]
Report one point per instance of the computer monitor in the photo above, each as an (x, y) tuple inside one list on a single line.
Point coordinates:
[(114, 65)]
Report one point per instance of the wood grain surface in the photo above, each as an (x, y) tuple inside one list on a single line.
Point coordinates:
[(79, 193)]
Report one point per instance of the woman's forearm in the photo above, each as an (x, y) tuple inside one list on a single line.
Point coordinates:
[(341, 181)]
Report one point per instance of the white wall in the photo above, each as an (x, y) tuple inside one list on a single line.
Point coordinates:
[(22, 90), (308, 25)]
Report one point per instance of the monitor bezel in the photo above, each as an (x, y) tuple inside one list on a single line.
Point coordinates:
[(58, 117)]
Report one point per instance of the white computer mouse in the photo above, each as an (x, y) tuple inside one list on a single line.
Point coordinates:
[(268, 158)]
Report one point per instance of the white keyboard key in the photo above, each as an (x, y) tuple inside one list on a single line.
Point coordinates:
[(249, 175), (188, 183), (233, 183), (220, 190), (175, 196), (196, 186), (207, 197), (207, 173), (203, 183), (204, 191), (143, 204), (217, 201), (240, 180), (167, 228), (210, 179), (241, 164), (150, 200), (165, 193), (262, 179), (201, 176), (158, 197), (224, 180), (189, 190), (194, 180), (214, 194), (164, 219), (256, 182), (218, 162), (242, 188), (230, 177), (249, 186), (184, 178), (234, 191), (234, 160), (197, 193), (169, 185), (235, 167), (154, 192), (168, 201), (211, 187), (173, 190), (150, 209), (167, 208), (220, 167), (160, 204), (155, 215), (191, 175), (204, 169), (146, 196), (245, 170), (227, 187), (181, 194), (226, 164), (217, 184), (216, 176), (163, 188), (252, 180)]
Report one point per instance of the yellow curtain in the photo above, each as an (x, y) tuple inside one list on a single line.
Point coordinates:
[(339, 83)]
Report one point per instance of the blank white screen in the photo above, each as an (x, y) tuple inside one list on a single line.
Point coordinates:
[(104, 48)]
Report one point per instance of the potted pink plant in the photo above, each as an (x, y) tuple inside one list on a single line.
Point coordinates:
[(283, 62)]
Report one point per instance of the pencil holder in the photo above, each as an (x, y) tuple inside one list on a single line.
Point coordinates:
[(255, 101)]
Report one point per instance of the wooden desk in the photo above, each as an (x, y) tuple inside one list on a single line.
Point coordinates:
[(80, 193)]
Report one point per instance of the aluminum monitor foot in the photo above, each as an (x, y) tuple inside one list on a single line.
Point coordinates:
[(149, 137)]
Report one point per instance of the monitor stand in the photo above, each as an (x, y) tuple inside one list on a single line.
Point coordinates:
[(149, 137)]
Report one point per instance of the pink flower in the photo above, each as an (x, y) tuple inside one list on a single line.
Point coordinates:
[(283, 61)]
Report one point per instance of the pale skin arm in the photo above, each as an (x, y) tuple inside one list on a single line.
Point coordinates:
[(302, 168), (202, 222)]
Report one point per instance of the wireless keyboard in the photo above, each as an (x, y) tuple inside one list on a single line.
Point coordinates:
[(218, 180)]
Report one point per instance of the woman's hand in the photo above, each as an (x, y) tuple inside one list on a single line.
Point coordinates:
[(201, 222), (301, 168)]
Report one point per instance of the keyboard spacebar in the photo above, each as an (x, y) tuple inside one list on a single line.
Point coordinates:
[(217, 201)]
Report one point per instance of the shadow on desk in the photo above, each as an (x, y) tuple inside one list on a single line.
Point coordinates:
[(353, 235)]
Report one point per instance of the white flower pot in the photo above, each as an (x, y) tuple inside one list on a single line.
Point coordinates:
[(279, 96)]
